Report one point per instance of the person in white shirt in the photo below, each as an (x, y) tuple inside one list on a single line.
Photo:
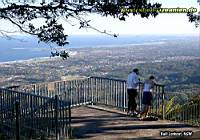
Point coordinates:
[(147, 95), (132, 83)]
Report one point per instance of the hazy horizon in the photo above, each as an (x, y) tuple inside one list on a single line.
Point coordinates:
[(28, 47)]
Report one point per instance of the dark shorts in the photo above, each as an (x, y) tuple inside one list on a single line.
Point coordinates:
[(147, 98)]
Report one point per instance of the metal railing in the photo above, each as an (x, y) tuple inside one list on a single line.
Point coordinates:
[(47, 107), (113, 92), (78, 92), (97, 90), (24, 115), (188, 113)]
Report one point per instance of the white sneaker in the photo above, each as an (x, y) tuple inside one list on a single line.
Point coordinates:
[(136, 113), (129, 113), (139, 116)]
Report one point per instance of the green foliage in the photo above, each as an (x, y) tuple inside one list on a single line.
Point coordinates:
[(2, 137), (169, 105), (194, 18), (23, 14), (195, 99), (189, 112)]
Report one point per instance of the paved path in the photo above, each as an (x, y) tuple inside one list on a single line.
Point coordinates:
[(97, 124)]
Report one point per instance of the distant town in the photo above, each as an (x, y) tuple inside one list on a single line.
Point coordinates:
[(175, 63)]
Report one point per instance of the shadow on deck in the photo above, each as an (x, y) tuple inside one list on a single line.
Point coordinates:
[(97, 123)]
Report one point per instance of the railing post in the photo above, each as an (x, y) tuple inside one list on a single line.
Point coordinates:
[(104, 90), (88, 90), (92, 90), (124, 95), (1, 115), (56, 117), (83, 88), (69, 123), (17, 108), (163, 106), (34, 89), (140, 96), (31, 108), (70, 92)]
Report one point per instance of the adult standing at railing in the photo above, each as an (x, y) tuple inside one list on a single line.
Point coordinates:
[(132, 83)]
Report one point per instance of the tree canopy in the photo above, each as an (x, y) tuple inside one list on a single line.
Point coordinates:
[(23, 13)]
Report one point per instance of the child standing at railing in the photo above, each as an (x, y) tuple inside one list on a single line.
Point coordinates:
[(147, 96)]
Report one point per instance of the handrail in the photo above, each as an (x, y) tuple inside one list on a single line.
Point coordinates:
[(111, 92), (84, 91), (188, 113), (24, 93), (52, 82), (105, 78), (35, 111)]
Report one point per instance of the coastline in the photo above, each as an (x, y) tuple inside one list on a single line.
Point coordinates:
[(74, 52), (30, 50), (38, 59)]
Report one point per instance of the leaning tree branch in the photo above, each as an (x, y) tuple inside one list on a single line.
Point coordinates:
[(51, 31), (20, 27), (45, 7), (85, 24)]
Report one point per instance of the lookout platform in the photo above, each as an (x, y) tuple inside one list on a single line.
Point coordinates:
[(98, 123), (91, 108)]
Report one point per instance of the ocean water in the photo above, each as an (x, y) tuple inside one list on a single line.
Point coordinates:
[(26, 47)]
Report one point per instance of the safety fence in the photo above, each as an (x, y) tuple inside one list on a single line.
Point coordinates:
[(47, 106), (188, 113), (97, 90), (27, 116)]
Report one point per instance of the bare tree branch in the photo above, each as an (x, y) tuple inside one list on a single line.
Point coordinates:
[(19, 26)]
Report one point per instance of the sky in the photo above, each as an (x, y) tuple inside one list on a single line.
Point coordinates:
[(135, 25), (162, 24)]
